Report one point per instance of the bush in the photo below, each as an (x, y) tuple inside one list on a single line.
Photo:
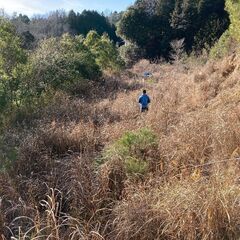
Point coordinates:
[(11, 57), (135, 150), (61, 64), (221, 48)]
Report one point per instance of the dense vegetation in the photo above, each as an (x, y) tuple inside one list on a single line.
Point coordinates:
[(153, 24), (78, 160), (55, 24), (91, 20), (68, 63)]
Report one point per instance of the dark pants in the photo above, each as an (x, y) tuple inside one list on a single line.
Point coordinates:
[(144, 109)]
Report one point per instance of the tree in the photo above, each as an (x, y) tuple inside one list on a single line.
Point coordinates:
[(153, 24), (114, 17), (54, 25), (27, 40), (131, 53), (133, 27), (62, 63), (177, 50), (91, 20), (39, 27), (22, 26), (11, 57), (72, 21), (24, 18), (213, 21), (150, 30), (107, 55), (183, 21)]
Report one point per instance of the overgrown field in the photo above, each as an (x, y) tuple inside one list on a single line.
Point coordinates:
[(98, 169)]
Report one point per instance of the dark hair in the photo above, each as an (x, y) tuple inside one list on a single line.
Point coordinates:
[(144, 91)]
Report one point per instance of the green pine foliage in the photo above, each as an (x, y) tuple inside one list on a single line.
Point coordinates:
[(134, 150)]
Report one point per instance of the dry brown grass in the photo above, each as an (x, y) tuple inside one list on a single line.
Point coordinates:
[(190, 209), (56, 189)]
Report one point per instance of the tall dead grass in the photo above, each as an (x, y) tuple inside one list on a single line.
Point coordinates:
[(187, 209), (57, 190)]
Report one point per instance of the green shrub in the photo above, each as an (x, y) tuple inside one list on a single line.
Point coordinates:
[(134, 149), (61, 64), (136, 166), (222, 47), (11, 57)]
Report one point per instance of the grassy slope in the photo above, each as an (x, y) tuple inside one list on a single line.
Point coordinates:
[(190, 192)]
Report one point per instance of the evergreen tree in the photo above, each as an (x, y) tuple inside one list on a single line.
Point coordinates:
[(11, 57), (91, 20), (107, 56), (153, 24)]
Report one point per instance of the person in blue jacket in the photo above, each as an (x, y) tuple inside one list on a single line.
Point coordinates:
[(144, 101)]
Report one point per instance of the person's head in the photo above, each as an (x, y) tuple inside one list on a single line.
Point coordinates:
[(144, 91)]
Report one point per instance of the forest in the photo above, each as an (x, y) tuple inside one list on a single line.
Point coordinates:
[(79, 161)]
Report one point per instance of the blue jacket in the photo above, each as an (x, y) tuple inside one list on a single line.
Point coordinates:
[(144, 100)]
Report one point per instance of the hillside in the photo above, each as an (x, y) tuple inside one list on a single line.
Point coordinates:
[(96, 168)]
